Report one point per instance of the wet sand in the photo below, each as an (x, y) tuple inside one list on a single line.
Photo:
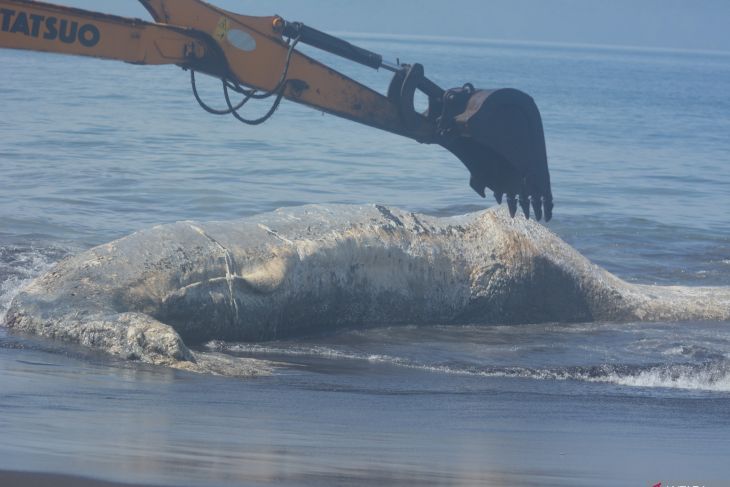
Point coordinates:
[(357, 422), (33, 479)]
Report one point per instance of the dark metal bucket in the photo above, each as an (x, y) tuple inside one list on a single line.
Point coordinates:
[(501, 141)]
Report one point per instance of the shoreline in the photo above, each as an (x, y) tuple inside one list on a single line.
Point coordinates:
[(12, 478)]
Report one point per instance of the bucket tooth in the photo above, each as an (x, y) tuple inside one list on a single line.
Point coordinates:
[(537, 208), (548, 207), (478, 186), (512, 205), (525, 205)]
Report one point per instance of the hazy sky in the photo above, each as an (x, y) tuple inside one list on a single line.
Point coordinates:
[(688, 24)]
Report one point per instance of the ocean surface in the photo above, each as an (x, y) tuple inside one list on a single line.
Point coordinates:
[(639, 148)]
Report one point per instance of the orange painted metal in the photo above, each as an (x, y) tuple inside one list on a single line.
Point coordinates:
[(323, 87), (192, 33), (45, 27)]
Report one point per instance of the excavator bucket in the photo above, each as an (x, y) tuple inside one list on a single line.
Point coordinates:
[(499, 138)]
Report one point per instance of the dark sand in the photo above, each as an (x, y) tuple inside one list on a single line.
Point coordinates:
[(31, 479)]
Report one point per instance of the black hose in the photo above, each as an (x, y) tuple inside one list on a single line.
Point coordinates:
[(235, 86), (207, 107)]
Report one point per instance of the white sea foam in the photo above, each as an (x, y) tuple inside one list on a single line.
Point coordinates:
[(706, 377), (711, 376), (18, 267), (312, 351)]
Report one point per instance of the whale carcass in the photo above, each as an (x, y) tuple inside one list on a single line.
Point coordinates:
[(318, 268)]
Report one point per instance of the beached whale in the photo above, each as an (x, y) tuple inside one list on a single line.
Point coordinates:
[(313, 268)]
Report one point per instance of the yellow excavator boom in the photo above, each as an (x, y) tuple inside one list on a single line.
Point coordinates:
[(44, 27), (497, 134)]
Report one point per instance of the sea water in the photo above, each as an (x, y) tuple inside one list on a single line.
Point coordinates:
[(639, 146)]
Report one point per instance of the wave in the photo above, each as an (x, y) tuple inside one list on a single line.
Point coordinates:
[(712, 375), (19, 265), (696, 352), (306, 351), (709, 376)]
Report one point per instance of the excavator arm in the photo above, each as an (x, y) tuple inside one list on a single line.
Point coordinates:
[(44, 27), (497, 134)]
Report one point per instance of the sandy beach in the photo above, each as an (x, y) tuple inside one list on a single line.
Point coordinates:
[(35, 479)]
